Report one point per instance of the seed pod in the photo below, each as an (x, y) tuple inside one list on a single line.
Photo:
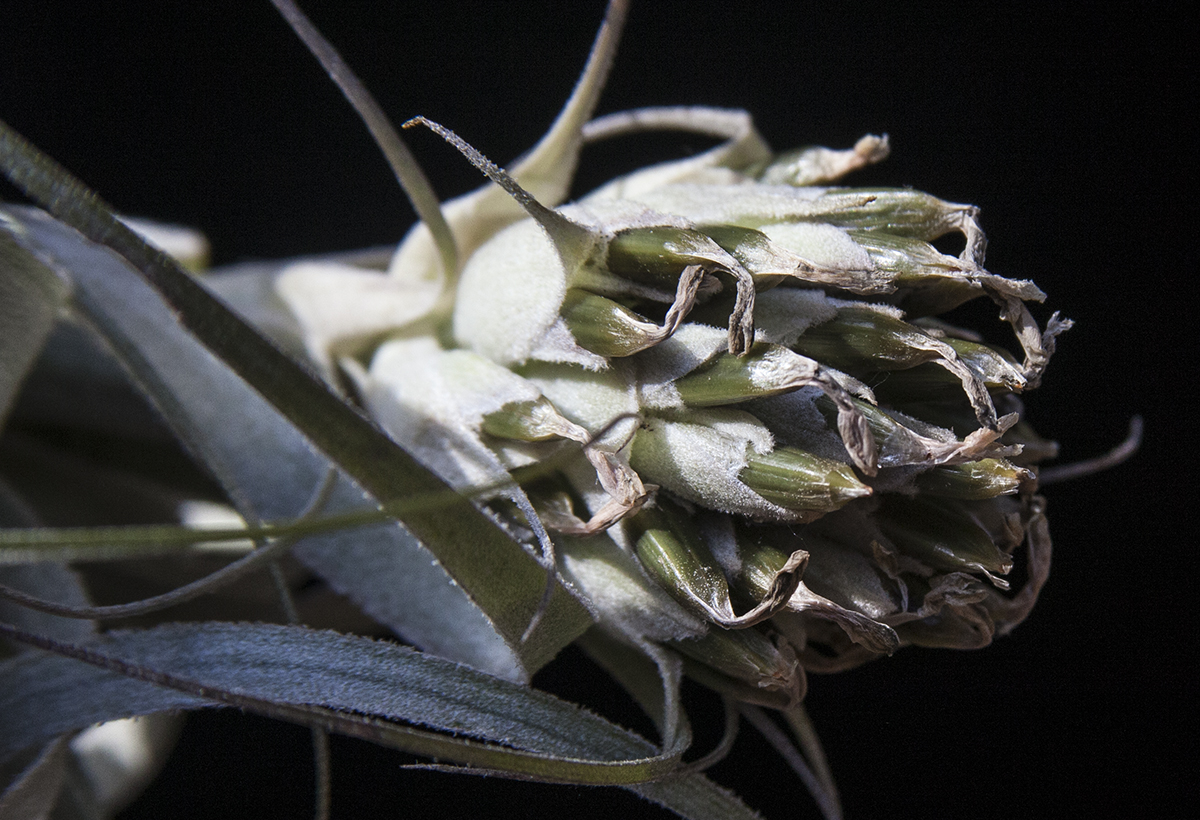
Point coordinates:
[(760, 557), (712, 458), (975, 480), (671, 550), (657, 255), (746, 664), (802, 482), (943, 537), (863, 340), (530, 420), (608, 328)]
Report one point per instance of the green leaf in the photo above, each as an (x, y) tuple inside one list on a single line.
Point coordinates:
[(320, 678), (151, 318)]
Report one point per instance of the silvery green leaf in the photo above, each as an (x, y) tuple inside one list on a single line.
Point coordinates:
[(303, 674), (270, 468), (76, 383), (101, 769)]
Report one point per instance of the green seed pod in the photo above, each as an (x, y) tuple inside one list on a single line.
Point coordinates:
[(907, 441), (943, 537), (863, 340), (766, 371), (908, 213), (769, 263), (658, 255), (975, 480), (608, 328), (535, 420), (722, 460), (762, 550), (746, 664), (802, 482), (672, 551)]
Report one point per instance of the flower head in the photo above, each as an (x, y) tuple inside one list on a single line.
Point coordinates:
[(722, 390)]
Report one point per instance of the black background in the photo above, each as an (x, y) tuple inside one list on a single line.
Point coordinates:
[(1064, 125)]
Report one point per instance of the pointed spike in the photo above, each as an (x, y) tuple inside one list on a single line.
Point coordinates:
[(571, 239), (975, 480)]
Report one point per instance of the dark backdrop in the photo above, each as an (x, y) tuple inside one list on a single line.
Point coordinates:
[(1065, 126)]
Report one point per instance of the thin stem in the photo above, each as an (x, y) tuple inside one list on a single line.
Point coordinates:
[(722, 749), (1117, 455), (223, 577), (20, 546), (810, 744), (209, 583), (782, 744), (404, 165)]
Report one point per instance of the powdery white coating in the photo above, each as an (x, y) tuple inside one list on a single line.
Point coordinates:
[(721, 539), (692, 345), (454, 386), (735, 424), (780, 366), (748, 205), (819, 243), (433, 403), (700, 459), (851, 385), (878, 307), (796, 421), (781, 315), (340, 306), (557, 344), (607, 216), (642, 184), (509, 294), (511, 289), (617, 589)]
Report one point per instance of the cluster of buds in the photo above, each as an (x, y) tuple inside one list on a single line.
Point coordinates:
[(720, 390)]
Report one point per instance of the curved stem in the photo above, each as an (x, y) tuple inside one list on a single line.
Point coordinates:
[(408, 173)]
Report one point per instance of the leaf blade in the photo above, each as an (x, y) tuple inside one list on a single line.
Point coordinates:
[(501, 578)]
